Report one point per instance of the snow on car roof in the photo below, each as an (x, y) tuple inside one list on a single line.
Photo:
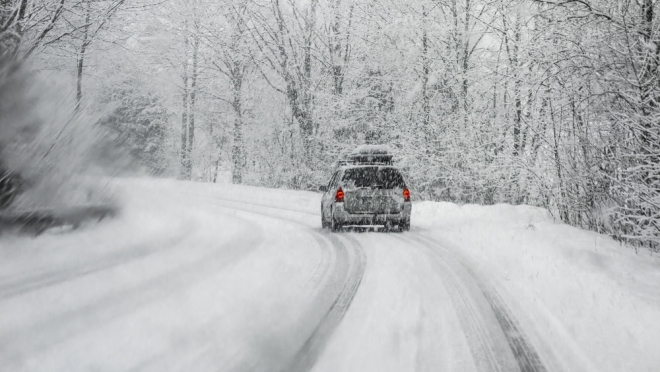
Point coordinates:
[(370, 154), (366, 155), (367, 165), (372, 149)]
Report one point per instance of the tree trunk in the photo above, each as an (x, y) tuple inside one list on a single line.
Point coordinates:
[(193, 99), (237, 146), (21, 16), (339, 61), (466, 62), (517, 118), (308, 121), (81, 55), (649, 79), (184, 117), (561, 204), (426, 99), (80, 68)]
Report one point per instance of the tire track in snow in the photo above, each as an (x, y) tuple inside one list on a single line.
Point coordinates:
[(477, 334), (349, 268), (324, 265), (486, 356), (34, 282), (121, 301), (308, 354), (525, 355)]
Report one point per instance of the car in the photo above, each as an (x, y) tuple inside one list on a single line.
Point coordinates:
[(366, 189)]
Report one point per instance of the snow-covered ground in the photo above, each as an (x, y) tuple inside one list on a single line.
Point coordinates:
[(594, 300), (196, 277)]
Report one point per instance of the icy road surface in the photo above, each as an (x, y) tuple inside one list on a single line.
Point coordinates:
[(203, 277)]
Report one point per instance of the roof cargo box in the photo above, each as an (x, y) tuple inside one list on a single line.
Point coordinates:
[(371, 154)]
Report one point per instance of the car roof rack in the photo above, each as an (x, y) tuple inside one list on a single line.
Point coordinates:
[(369, 155)]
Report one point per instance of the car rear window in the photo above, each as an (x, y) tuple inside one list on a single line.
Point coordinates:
[(386, 178)]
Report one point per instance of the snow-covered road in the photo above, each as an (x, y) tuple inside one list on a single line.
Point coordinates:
[(196, 277)]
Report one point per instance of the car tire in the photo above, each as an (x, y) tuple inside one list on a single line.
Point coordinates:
[(324, 223), (334, 225), (405, 225)]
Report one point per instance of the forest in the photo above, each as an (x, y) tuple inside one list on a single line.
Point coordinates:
[(547, 103)]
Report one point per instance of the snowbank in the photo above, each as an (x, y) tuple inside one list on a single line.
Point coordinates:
[(594, 300), (429, 214)]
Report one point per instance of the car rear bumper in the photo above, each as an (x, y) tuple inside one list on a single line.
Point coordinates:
[(345, 218)]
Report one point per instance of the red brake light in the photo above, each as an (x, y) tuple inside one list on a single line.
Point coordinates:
[(406, 194), (339, 196)]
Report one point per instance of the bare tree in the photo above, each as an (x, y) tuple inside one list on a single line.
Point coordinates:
[(285, 38), (232, 58), (190, 65)]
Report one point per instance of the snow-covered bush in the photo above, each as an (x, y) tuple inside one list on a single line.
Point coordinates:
[(138, 122)]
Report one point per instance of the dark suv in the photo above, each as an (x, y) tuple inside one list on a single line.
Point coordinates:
[(366, 190)]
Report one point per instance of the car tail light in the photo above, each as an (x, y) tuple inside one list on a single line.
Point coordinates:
[(406, 194), (339, 196)]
